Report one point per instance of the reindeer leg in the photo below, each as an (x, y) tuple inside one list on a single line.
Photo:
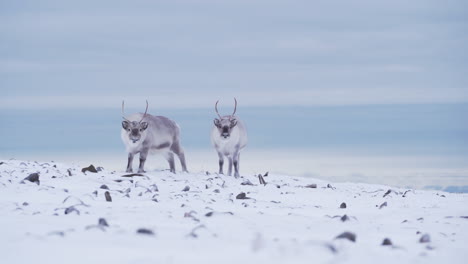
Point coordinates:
[(143, 155), (230, 166), (130, 162), (221, 162), (177, 149), (236, 162), (170, 159)]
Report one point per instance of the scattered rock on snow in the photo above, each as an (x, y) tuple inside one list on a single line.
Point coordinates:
[(108, 196), (104, 187), (425, 238), (347, 235), (145, 231), (387, 193), (387, 242), (383, 205), (313, 185), (186, 189), (103, 222), (33, 177), (343, 205), (90, 168), (246, 182), (345, 218), (242, 196), (72, 209)]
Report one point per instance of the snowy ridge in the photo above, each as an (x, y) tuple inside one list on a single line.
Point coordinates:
[(162, 217)]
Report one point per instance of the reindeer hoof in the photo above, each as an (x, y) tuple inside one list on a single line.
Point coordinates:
[(129, 170), (141, 171)]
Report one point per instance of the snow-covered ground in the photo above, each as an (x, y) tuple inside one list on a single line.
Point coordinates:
[(198, 218)]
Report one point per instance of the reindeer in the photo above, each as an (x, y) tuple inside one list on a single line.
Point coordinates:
[(229, 137), (145, 133)]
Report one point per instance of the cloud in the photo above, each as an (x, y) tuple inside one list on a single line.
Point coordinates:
[(276, 52)]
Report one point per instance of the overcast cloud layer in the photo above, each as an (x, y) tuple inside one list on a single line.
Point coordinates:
[(190, 53)]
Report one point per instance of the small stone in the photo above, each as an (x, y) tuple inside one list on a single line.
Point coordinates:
[(209, 214), (33, 177), (345, 218), (313, 185), (99, 169), (104, 187), (95, 193), (343, 205), (247, 182), (216, 190), (69, 172), (241, 196), (72, 209), (425, 238), (108, 196), (102, 222), (154, 188), (186, 189), (90, 168), (25, 204), (387, 242), (347, 235), (387, 193), (383, 205), (145, 231)]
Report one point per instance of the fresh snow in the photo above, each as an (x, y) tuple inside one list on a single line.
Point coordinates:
[(284, 221)]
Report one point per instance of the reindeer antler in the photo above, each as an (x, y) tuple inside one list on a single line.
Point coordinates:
[(235, 106), (144, 115), (123, 113), (216, 108)]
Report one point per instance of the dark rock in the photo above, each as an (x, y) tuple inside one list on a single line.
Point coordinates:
[(72, 209), (242, 196), (209, 214), (132, 175), (347, 235), (1, 163), (383, 205), (266, 174), (90, 168), (95, 193), (99, 168), (186, 189), (154, 188), (69, 172), (425, 238), (387, 193), (104, 187), (345, 218), (145, 231), (343, 205), (25, 204), (108, 196), (33, 177), (216, 190), (466, 217), (246, 182), (387, 242), (102, 222), (313, 185), (262, 181)]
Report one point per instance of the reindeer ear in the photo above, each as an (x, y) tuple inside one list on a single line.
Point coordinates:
[(216, 122), (125, 124), (233, 122), (144, 125)]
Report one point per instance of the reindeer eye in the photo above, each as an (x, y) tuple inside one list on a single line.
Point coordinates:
[(128, 129)]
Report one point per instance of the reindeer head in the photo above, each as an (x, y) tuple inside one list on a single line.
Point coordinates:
[(135, 130), (225, 124)]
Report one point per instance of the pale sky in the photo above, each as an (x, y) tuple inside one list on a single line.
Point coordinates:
[(61, 54)]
